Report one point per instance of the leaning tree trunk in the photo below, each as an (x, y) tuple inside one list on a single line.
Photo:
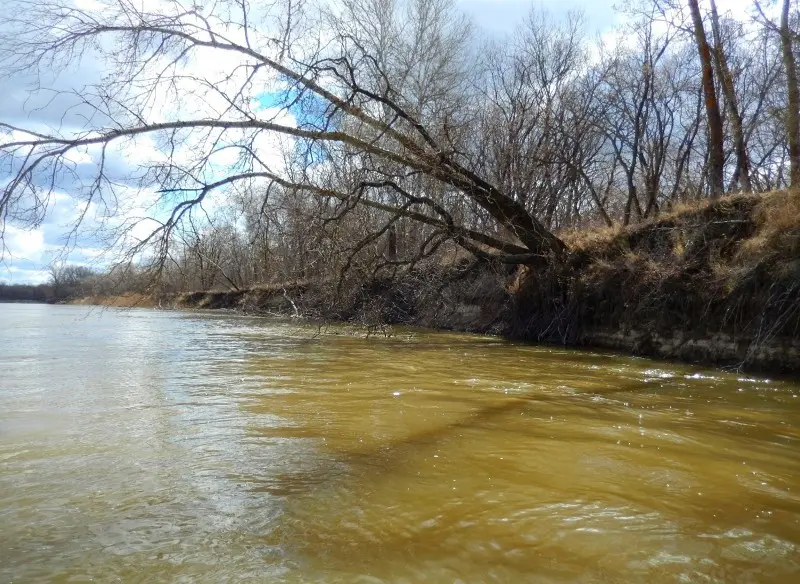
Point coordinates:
[(742, 174), (716, 155), (793, 95)]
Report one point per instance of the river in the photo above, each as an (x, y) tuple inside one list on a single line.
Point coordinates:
[(150, 446)]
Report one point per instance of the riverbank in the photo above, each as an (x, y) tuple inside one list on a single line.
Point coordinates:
[(715, 284), (127, 300)]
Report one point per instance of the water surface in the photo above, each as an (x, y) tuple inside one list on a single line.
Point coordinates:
[(147, 446)]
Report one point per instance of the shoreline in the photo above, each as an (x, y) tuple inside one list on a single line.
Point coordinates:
[(715, 284), (719, 351)]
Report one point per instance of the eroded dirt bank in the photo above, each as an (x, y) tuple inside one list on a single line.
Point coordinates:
[(718, 284)]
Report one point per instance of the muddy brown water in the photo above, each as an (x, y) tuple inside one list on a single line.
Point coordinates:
[(147, 446)]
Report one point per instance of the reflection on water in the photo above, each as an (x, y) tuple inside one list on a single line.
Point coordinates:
[(144, 446)]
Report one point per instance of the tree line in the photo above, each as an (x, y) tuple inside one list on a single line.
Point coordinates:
[(65, 281), (370, 135)]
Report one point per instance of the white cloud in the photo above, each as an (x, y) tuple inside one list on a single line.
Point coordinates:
[(24, 244), (79, 156), (89, 5), (16, 275), (22, 262)]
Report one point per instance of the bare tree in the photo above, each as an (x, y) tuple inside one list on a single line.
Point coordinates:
[(340, 96), (742, 173), (69, 280), (793, 94), (637, 117), (792, 115), (716, 158), (290, 141)]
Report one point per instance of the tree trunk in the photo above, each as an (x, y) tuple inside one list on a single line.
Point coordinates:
[(391, 251), (716, 156), (793, 94), (742, 174)]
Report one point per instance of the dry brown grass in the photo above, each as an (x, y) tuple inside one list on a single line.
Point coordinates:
[(126, 300), (584, 239), (777, 219), (730, 264), (692, 212)]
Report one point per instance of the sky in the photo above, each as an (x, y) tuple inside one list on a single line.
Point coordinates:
[(501, 16), (28, 253)]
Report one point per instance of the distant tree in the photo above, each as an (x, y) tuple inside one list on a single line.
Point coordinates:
[(25, 292), (69, 280)]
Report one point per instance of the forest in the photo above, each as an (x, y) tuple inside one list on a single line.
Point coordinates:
[(372, 134)]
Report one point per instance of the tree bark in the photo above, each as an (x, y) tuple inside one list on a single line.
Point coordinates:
[(391, 248), (716, 155), (793, 95)]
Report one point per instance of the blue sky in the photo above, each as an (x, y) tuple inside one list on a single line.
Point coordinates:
[(29, 252)]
